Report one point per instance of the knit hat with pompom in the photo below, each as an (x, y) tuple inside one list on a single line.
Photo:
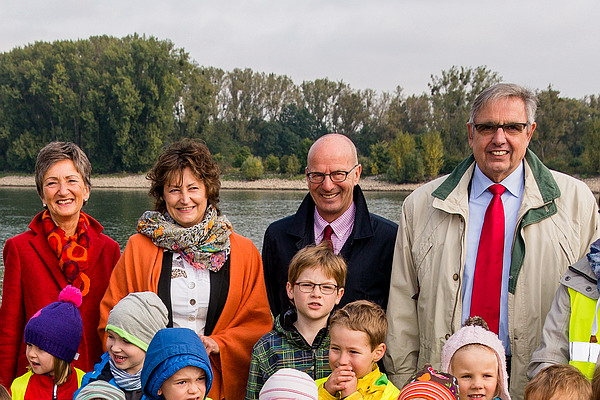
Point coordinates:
[(57, 328)]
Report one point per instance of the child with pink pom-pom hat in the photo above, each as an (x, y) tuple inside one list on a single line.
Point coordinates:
[(52, 336)]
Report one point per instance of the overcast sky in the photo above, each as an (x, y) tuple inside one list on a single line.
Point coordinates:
[(378, 44)]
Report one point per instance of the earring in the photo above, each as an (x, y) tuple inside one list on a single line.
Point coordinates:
[(44, 205)]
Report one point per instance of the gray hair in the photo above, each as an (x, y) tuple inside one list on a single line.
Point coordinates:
[(58, 151), (503, 90)]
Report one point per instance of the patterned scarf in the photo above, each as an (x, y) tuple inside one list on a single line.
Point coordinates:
[(594, 259), (125, 380), (72, 251), (205, 245)]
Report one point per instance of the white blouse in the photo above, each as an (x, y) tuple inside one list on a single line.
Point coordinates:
[(190, 294)]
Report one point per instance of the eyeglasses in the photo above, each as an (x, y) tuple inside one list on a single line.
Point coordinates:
[(308, 287), (512, 129), (335, 176)]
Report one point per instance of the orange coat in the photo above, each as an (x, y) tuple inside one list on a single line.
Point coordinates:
[(244, 319)]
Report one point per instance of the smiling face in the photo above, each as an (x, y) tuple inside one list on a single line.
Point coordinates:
[(328, 154), (314, 306), (186, 384), (349, 347), (499, 154), (64, 191), (476, 369), (40, 361), (126, 356), (185, 198)]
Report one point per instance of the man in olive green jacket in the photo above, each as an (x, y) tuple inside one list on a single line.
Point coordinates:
[(555, 220)]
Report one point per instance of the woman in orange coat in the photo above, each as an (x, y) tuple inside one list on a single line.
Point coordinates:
[(209, 277)]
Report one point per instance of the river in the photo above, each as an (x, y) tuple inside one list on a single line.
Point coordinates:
[(250, 211)]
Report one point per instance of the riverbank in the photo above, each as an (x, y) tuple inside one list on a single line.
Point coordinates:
[(140, 182)]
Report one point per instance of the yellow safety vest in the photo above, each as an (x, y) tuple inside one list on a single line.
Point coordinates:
[(582, 354)]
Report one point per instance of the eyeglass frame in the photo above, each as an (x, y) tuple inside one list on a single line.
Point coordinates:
[(310, 174), (314, 285), (495, 127)]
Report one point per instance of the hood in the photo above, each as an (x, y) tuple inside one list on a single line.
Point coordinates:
[(170, 350)]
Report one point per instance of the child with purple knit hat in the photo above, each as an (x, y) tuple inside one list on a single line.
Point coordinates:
[(52, 336)]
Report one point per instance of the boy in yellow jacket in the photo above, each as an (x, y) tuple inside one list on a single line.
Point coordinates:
[(357, 333)]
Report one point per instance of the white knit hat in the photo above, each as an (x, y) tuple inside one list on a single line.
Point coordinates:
[(288, 383), (473, 334)]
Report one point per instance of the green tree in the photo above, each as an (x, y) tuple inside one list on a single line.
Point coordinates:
[(252, 168), (290, 164), (272, 163), (452, 94), (379, 157), (433, 153), (406, 162), (591, 154)]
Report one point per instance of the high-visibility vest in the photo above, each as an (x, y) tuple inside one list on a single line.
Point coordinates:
[(582, 353)]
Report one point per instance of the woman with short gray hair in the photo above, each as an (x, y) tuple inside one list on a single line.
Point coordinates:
[(63, 246)]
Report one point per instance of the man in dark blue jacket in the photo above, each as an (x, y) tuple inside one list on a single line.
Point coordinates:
[(335, 209)]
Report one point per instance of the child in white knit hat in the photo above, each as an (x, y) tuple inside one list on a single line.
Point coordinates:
[(289, 383), (475, 356), (131, 325)]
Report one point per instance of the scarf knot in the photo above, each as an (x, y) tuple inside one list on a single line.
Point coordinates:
[(205, 245)]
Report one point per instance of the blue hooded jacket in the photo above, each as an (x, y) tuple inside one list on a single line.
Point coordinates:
[(170, 350)]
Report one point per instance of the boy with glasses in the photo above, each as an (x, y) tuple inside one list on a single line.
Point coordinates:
[(300, 339)]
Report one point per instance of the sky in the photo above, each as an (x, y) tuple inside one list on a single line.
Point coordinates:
[(375, 44)]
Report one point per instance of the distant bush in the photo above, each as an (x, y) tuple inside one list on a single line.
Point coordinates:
[(252, 168), (272, 163), (290, 164)]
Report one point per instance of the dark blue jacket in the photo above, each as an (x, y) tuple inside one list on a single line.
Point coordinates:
[(368, 251)]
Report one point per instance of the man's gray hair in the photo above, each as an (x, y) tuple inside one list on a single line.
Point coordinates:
[(502, 90)]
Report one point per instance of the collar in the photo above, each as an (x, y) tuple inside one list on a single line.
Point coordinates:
[(302, 225), (341, 225), (370, 381), (513, 183), (543, 180)]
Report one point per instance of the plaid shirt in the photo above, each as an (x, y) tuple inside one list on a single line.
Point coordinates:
[(285, 347)]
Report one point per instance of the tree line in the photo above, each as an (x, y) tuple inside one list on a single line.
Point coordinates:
[(123, 99)]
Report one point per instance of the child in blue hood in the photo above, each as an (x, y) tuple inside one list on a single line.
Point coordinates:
[(176, 366)]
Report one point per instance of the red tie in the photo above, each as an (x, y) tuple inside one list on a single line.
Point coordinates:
[(327, 235), (485, 298)]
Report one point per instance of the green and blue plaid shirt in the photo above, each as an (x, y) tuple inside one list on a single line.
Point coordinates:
[(285, 347)]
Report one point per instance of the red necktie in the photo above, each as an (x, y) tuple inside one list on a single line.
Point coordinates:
[(327, 235), (485, 298)]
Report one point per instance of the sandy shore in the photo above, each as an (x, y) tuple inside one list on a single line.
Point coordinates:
[(140, 182)]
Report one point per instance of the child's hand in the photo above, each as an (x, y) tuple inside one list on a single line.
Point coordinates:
[(343, 380)]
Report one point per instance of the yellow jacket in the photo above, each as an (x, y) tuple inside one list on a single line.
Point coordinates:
[(373, 386)]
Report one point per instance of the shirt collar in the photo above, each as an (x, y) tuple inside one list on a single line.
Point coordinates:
[(340, 225), (513, 183)]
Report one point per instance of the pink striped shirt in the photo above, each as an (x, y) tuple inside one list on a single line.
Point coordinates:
[(342, 228)]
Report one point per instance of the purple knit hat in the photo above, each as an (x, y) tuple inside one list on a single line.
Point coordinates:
[(473, 334), (57, 328)]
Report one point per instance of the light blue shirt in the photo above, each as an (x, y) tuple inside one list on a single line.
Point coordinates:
[(479, 199)]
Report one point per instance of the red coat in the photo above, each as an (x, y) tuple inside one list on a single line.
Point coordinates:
[(33, 279), (244, 319)]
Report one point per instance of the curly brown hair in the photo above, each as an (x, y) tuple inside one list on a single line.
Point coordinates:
[(186, 153)]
